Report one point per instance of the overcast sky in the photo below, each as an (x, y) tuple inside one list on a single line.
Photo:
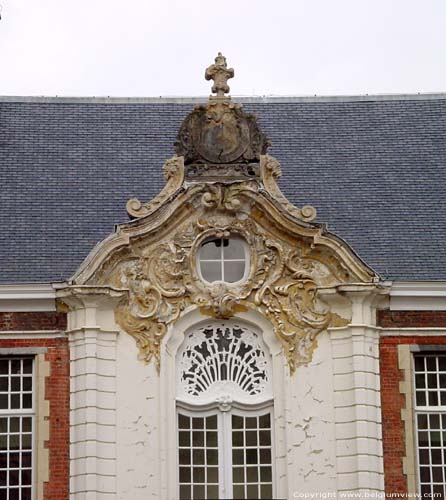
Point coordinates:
[(277, 47)]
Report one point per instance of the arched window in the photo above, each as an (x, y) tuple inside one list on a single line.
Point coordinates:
[(224, 413)]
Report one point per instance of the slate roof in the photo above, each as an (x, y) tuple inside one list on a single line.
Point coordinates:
[(374, 167)]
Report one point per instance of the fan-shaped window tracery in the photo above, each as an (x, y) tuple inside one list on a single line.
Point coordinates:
[(225, 360)]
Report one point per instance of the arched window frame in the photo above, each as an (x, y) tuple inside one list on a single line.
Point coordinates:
[(168, 405)]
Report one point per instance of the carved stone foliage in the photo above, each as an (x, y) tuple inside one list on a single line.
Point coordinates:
[(162, 277), (174, 175), (270, 171), (220, 74)]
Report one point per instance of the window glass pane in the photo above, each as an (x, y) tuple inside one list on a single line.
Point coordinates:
[(234, 249), (16, 425), (251, 438), (239, 491), (184, 456), (211, 422), (211, 250), (222, 260), (433, 398), (211, 271), (431, 422), (198, 457), (198, 438), (27, 365), (198, 423), (252, 492), (266, 491), (15, 401), (4, 366), (251, 462), (27, 383), (212, 492), (432, 380), (183, 422), (237, 422), (16, 366), (234, 271), (431, 363), (185, 492), (212, 455), (421, 398), (212, 475), (15, 383)]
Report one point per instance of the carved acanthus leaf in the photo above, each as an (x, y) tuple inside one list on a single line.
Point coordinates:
[(228, 198), (174, 175), (163, 280), (270, 171)]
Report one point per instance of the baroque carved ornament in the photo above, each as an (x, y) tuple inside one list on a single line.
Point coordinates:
[(221, 184), (162, 277)]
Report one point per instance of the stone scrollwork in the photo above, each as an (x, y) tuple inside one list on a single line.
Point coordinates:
[(174, 174), (220, 184), (163, 281), (227, 198), (270, 171)]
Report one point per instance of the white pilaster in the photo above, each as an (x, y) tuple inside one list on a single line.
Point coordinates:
[(357, 398), (92, 338)]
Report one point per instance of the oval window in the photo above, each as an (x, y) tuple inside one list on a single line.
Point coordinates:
[(223, 259)]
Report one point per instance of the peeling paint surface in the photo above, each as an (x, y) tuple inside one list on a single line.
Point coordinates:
[(137, 424), (311, 453)]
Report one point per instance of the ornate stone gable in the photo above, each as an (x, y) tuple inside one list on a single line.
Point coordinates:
[(154, 260), (222, 185)]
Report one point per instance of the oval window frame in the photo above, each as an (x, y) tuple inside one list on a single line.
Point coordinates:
[(246, 256)]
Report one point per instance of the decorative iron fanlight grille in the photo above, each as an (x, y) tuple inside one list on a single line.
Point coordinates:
[(223, 362)]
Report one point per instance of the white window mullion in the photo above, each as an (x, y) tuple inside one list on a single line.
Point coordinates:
[(223, 370), (430, 417), (16, 428)]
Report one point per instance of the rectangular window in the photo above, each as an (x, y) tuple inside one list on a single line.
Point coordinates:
[(198, 456), (251, 457), (430, 409), (225, 455), (16, 428)]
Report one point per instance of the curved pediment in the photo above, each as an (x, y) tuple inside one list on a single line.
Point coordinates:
[(222, 186), (155, 260)]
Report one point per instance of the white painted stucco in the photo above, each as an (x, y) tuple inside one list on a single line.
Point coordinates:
[(123, 439)]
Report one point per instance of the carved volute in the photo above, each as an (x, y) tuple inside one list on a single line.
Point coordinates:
[(221, 184)]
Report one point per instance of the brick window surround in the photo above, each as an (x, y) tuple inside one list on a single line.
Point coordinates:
[(56, 390), (392, 400)]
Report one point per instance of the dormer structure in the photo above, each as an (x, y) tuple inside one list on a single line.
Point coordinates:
[(223, 282)]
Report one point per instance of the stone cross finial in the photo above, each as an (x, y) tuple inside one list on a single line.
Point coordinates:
[(220, 73)]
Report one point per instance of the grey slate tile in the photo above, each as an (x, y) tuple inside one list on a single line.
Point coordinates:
[(374, 170)]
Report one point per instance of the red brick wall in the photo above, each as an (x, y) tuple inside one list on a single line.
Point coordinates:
[(57, 391), (392, 402), (50, 320), (405, 319)]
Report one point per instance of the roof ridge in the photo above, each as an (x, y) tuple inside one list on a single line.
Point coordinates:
[(241, 98)]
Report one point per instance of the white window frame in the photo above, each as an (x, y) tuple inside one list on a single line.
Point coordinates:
[(224, 430), (428, 410), (25, 412), (246, 260), (173, 339)]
